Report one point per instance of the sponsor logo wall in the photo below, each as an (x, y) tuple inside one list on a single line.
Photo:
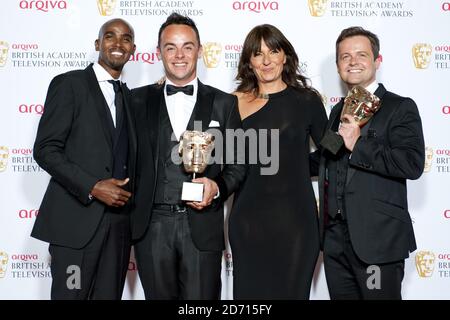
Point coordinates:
[(40, 39)]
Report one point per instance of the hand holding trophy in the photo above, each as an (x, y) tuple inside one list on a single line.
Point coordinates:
[(195, 149), (361, 105)]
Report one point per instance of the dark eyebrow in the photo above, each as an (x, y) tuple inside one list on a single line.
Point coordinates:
[(184, 44)]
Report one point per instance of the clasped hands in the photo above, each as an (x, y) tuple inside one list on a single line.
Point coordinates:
[(111, 192)]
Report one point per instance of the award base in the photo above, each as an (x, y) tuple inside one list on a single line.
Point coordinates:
[(192, 191), (332, 141)]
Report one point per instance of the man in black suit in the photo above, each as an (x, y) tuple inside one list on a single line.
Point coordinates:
[(86, 141), (180, 244), (367, 227)]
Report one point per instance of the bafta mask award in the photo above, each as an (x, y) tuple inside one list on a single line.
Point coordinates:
[(195, 150), (361, 105)]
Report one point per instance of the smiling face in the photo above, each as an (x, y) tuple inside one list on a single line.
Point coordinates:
[(179, 50), (268, 64), (115, 45), (355, 61)]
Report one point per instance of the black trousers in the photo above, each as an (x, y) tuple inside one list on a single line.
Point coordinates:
[(98, 270), (349, 278), (169, 264)]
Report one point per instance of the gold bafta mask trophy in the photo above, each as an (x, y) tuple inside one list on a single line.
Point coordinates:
[(195, 149), (361, 105), (4, 47), (3, 264), (211, 54), (425, 263), (317, 7), (421, 53), (106, 7), (4, 153)]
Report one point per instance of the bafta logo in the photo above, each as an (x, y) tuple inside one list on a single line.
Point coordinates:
[(421, 53), (317, 8), (106, 7), (211, 54), (4, 47), (4, 153), (3, 264), (428, 159), (425, 263)]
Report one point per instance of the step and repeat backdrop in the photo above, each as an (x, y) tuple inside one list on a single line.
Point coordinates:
[(40, 39)]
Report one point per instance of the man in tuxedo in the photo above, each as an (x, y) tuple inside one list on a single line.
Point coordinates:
[(180, 243), (367, 229), (86, 141)]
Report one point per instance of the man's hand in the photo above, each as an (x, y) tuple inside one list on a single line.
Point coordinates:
[(111, 193), (350, 131), (210, 190)]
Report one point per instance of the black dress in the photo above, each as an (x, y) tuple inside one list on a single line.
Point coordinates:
[(273, 226)]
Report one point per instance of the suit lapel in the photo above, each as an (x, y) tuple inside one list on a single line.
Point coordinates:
[(100, 105), (156, 101), (203, 108), (131, 125)]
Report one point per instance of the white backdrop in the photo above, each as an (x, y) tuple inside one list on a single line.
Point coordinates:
[(40, 39)]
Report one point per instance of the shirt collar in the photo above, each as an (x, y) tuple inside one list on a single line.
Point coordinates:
[(372, 87), (102, 74)]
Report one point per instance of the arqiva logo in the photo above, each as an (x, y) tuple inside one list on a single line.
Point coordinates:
[(44, 6), (146, 57), (255, 6)]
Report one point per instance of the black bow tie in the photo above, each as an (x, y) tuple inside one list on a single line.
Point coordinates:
[(189, 90)]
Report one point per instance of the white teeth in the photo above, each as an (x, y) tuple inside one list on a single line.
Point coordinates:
[(355, 71), (115, 53)]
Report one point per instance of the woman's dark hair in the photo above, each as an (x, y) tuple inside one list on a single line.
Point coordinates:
[(275, 40)]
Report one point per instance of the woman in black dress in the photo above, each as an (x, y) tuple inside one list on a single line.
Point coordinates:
[(273, 230)]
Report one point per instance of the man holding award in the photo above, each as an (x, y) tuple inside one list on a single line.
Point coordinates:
[(373, 145), (178, 222)]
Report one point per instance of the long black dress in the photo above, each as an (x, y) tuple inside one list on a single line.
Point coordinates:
[(273, 226)]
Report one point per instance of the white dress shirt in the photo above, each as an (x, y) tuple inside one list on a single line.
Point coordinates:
[(107, 88), (180, 107)]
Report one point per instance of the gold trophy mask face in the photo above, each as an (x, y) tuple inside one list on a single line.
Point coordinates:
[(4, 47), (425, 263), (3, 264), (195, 149), (211, 54), (361, 104), (106, 7), (317, 7), (421, 53), (4, 153)]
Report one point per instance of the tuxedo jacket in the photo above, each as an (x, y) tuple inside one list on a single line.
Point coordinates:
[(375, 194), (74, 144), (207, 225)]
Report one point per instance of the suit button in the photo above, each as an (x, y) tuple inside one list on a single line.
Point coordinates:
[(107, 169), (166, 181), (124, 167)]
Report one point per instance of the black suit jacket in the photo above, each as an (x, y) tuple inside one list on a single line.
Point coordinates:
[(212, 104), (74, 145), (375, 194)]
